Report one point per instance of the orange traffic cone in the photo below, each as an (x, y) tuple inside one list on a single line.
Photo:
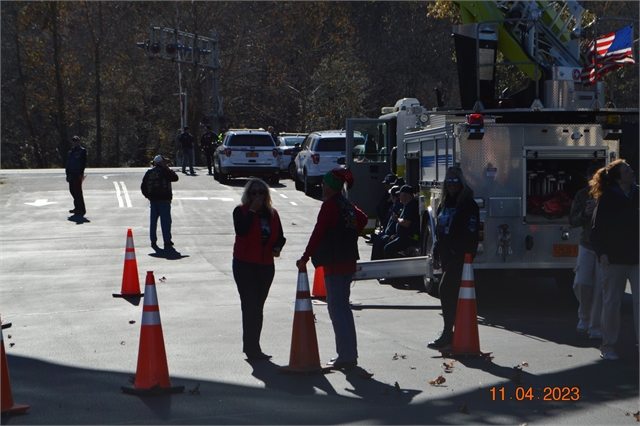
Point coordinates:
[(466, 341), (304, 357), (7, 397), (152, 374), (319, 289), (130, 281)]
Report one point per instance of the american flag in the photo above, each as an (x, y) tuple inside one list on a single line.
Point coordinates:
[(613, 51)]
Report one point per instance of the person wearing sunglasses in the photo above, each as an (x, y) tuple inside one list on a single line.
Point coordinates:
[(259, 239), (334, 246), (457, 234)]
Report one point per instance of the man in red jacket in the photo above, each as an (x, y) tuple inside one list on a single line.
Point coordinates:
[(334, 246)]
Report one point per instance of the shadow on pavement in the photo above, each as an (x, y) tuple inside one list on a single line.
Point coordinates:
[(168, 254), (79, 220), (61, 394)]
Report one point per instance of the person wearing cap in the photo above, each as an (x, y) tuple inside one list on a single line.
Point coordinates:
[(457, 224), (382, 209), (186, 142), (208, 143), (407, 225), (587, 284), (76, 163), (380, 240), (334, 246), (156, 187)]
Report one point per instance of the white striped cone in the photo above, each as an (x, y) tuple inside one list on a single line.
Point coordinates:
[(466, 340), (130, 280), (304, 356), (152, 373)]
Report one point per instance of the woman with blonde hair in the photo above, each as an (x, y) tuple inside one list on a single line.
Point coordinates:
[(458, 216), (259, 238), (614, 236)]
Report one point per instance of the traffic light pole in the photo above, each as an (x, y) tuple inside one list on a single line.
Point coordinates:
[(178, 46)]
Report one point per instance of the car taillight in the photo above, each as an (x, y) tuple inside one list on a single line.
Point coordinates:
[(227, 152), (275, 152), (288, 151), (315, 158)]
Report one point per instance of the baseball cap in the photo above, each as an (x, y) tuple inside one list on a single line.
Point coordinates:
[(390, 178), (158, 159), (406, 189), (399, 182), (394, 190)]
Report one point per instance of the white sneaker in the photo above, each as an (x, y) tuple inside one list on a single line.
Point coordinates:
[(581, 327), (595, 335), (610, 356)]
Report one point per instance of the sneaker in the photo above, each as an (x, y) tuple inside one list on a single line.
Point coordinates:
[(595, 335), (72, 211), (442, 343), (581, 327), (343, 365), (155, 246), (258, 356), (609, 356)]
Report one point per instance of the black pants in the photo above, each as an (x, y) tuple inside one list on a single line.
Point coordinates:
[(75, 188), (209, 156), (253, 281), (449, 290)]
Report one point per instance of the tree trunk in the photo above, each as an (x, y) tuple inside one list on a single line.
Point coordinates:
[(63, 143)]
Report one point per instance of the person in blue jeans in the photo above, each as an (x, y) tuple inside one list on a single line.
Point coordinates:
[(334, 246), (156, 186)]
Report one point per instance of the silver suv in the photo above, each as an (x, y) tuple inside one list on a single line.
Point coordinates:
[(245, 153), (320, 152)]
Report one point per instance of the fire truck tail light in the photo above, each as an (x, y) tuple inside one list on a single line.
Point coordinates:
[(475, 119), (481, 236), (481, 225), (475, 122), (315, 158)]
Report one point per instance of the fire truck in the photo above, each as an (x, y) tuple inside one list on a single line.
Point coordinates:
[(524, 154)]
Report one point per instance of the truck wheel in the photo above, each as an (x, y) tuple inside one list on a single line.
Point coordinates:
[(223, 177), (292, 170), (216, 175)]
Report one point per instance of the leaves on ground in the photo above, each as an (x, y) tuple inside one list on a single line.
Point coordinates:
[(195, 391), (448, 367), (437, 382), (397, 357)]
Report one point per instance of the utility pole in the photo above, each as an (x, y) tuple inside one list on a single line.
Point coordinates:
[(173, 45)]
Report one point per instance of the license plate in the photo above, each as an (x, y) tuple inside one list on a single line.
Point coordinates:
[(252, 154), (565, 250)]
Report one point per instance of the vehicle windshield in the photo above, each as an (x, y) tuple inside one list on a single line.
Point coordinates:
[(251, 140), (292, 141)]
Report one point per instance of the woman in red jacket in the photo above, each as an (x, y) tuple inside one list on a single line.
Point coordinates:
[(259, 239)]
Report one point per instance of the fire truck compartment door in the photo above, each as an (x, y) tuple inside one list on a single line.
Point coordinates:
[(369, 163), (505, 207)]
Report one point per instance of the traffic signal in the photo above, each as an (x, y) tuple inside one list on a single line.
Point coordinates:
[(171, 49), (155, 48)]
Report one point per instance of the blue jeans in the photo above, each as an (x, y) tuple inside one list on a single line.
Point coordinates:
[(338, 291), (161, 209)]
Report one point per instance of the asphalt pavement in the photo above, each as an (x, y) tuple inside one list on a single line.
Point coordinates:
[(72, 345)]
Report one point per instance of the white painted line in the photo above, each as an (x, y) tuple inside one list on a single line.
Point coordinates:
[(120, 202), (126, 195), (221, 199), (40, 203), (283, 196), (293, 204)]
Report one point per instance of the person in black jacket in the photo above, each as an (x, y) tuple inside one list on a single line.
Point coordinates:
[(614, 236), (156, 186), (208, 144), (76, 163), (187, 143), (457, 234)]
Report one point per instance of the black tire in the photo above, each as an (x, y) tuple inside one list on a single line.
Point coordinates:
[(308, 188), (216, 175), (298, 183), (223, 178)]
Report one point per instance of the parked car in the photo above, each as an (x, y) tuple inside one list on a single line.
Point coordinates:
[(320, 152), (245, 153), (286, 143)]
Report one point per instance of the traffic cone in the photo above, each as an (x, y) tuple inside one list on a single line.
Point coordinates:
[(130, 281), (319, 289), (466, 341), (7, 397), (152, 374), (304, 357)]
